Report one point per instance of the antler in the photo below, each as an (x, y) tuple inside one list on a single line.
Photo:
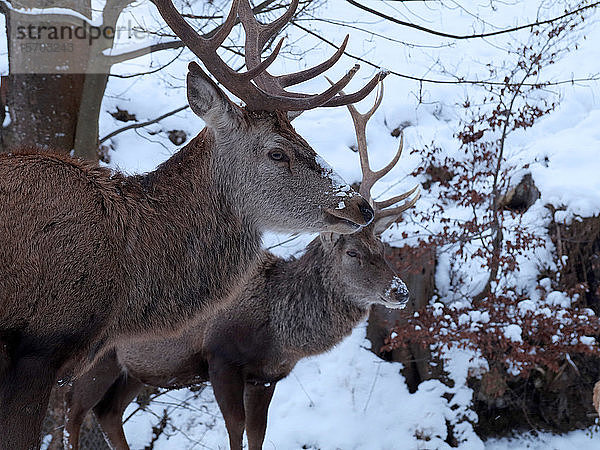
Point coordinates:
[(256, 87), (370, 177)]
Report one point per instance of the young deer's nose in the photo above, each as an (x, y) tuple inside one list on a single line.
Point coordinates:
[(398, 294), (401, 296)]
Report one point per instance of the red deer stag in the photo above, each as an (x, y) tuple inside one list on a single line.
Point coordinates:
[(89, 256), (287, 310)]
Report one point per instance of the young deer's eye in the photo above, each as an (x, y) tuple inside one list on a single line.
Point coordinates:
[(352, 253), (278, 156)]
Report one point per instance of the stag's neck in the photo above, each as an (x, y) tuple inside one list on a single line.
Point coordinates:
[(309, 311), (196, 242), (186, 184)]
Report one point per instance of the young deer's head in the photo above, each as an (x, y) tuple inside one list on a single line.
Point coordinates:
[(359, 258), (276, 176)]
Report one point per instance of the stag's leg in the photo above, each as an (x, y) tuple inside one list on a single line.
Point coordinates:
[(85, 392), (228, 385), (24, 394), (257, 398), (109, 411)]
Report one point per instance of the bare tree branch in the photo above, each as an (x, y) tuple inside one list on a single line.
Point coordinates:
[(594, 77), (122, 57), (142, 124), (469, 36), (353, 26)]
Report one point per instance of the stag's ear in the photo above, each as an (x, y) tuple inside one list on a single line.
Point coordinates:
[(383, 223), (328, 240), (208, 101)]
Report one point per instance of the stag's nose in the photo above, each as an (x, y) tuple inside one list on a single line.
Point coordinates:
[(350, 215), (367, 211)]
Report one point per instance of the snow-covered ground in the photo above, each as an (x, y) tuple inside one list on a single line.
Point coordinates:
[(348, 398), (344, 399)]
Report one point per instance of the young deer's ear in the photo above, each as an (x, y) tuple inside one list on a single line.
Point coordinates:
[(208, 101), (328, 240)]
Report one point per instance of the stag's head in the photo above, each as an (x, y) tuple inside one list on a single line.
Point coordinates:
[(267, 164), (358, 260)]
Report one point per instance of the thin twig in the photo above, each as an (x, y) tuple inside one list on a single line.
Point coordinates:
[(594, 77), (305, 391), (126, 56), (372, 387), (469, 36), (290, 239), (149, 72)]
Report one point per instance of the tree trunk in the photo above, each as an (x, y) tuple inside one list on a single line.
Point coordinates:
[(43, 89), (54, 89), (417, 268)]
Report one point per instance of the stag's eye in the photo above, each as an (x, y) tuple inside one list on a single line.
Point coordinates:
[(278, 156), (352, 253)]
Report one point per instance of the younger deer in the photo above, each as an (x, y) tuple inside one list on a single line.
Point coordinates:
[(287, 310), (89, 256)]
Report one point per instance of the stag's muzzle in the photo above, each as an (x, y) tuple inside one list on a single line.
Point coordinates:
[(352, 213)]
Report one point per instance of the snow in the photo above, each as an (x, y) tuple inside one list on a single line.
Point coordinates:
[(557, 298), (372, 408), (37, 12), (348, 398), (513, 332), (577, 440)]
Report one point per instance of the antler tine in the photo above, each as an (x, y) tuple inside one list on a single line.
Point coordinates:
[(369, 178), (205, 48), (262, 66), (344, 100), (390, 201), (269, 30), (258, 34), (223, 31), (292, 79), (378, 99), (200, 46), (270, 102), (188, 35), (399, 209), (319, 99), (385, 170), (252, 29), (256, 87)]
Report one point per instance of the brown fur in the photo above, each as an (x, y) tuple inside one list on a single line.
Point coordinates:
[(89, 256), (287, 310)]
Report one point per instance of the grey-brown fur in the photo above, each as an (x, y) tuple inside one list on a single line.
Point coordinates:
[(287, 310), (88, 256)]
